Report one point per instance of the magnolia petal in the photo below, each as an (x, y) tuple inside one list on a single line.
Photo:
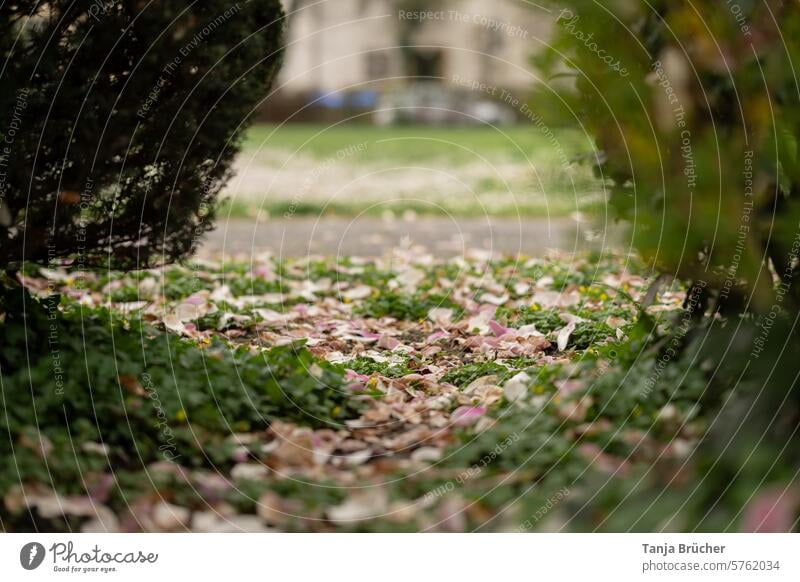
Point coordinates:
[(387, 342), (528, 331), (494, 299), (562, 339), (441, 315), (480, 323), (173, 323), (498, 329), (360, 292), (467, 415), (516, 388), (359, 506)]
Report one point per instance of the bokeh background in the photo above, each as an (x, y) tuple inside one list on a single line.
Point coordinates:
[(396, 120)]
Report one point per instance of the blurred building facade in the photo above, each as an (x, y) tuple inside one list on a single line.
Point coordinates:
[(371, 47)]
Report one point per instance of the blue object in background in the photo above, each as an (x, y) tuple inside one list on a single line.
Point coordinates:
[(367, 99), (331, 100)]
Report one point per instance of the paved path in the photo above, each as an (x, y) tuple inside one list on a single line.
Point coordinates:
[(370, 236)]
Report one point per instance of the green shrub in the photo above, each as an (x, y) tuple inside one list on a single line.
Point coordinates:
[(120, 121), (694, 110), (696, 122)]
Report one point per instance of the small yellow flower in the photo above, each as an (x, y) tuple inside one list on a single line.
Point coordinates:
[(337, 410), (181, 415)]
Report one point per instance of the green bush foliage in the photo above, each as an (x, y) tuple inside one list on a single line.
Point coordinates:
[(119, 122), (694, 109)]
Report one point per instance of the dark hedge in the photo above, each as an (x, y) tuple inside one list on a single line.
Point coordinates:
[(119, 121)]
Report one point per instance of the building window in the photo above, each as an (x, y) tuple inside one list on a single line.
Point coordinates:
[(426, 63)]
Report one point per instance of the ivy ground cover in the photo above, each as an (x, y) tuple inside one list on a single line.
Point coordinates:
[(407, 393)]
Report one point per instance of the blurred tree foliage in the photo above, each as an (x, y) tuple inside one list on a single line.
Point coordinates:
[(694, 107), (119, 121)]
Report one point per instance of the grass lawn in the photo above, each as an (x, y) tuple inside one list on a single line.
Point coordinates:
[(467, 171)]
